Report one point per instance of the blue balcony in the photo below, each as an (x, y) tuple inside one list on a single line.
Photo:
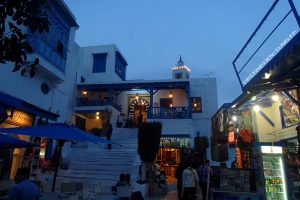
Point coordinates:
[(170, 113), (49, 51), (97, 102)]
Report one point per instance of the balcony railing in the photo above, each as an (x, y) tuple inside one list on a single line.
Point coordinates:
[(170, 113), (97, 102)]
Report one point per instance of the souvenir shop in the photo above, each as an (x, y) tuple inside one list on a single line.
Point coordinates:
[(168, 155), (15, 112)]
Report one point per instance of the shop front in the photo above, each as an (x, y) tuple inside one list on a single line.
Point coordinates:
[(168, 155), (17, 113)]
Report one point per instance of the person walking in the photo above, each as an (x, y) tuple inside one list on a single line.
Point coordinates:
[(189, 182), (108, 135), (24, 188), (178, 176), (140, 119), (204, 171)]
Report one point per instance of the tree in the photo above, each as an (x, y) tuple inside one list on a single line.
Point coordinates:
[(16, 17), (148, 143)]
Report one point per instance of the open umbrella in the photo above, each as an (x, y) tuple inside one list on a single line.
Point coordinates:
[(8, 142), (57, 131), (61, 132)]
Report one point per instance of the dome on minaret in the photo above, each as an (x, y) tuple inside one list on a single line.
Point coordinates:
[(181, 71), (180, 62)]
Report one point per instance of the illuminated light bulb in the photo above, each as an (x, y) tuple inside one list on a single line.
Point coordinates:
[(195, 105), (256, 108), (253, 98), (234, 118), (275, 97), (84, 92), (97, 113), (267, 75), (97, 117), (171, 105)]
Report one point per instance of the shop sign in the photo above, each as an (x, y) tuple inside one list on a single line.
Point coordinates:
[(20, 118), (269, 57)]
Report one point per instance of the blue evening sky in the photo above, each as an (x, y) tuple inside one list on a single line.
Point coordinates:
[(151, 34)]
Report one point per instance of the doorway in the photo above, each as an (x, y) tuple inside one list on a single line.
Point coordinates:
[(137, 110)]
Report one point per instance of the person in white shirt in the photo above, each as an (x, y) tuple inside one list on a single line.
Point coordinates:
[(189, 182)]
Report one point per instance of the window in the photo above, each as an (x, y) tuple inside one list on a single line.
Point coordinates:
[(99, 64), (82, 79), (178, 75), (120, 66), (59, 47), (196, 104)]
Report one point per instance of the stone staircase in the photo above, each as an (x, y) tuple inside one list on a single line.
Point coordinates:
[(96, 164)]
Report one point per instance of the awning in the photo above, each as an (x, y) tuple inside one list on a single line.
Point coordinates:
[(10, 101), (8, 142), (284, 70), (57, 131)]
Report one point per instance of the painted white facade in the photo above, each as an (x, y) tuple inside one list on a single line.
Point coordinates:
[(62, 84), (86, 64), (265, 131), (61, 98), (206, 88)]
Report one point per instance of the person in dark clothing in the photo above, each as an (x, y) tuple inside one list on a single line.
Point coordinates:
[(178, 176), (140, 119), (205, 173), (127, 177), (24, 188), (108, 135)]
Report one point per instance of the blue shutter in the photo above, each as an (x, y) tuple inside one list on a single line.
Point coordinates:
[(99, 64)]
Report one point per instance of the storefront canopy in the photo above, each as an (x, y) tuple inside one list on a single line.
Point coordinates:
[(8, 142), (7, 100), (57, 131)]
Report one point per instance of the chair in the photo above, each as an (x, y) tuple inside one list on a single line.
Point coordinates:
[(124, 191)]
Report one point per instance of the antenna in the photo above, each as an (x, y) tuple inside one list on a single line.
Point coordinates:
[(207, 75)]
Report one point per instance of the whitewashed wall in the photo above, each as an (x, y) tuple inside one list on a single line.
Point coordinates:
[(59, 99), (86, 64), (268, 133)]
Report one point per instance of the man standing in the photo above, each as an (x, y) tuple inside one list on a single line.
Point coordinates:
[(24, 188), (108, 135), (140, 119), (204, 171)]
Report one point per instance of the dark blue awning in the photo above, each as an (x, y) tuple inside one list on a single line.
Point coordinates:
[(8, 142), (10, 101)]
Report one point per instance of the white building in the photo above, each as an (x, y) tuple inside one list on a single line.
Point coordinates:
[(86, 85), (183, 105)]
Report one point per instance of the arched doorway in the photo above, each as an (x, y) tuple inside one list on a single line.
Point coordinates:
[(136, 107)]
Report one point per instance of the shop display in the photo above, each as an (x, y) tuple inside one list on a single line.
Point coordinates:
[(293, 164), (289, 110), (234, 180), (273, 174)]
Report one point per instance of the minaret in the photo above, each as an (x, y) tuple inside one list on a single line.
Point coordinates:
[(181, 71)]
